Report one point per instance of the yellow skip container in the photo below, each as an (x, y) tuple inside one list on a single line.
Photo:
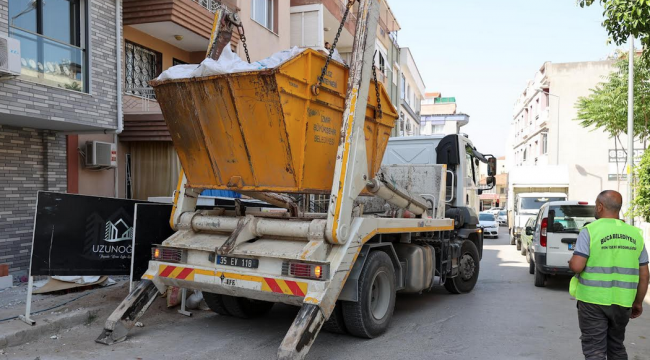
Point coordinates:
[(265, 130)]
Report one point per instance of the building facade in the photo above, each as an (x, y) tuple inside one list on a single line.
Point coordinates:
[(411, 95), (544, 130), (67, 84), (439, 115)]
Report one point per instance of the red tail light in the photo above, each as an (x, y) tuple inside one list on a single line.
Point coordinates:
[(542, 232), (583, 203)]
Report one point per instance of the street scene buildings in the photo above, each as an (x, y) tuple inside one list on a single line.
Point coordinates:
[(261, 179)]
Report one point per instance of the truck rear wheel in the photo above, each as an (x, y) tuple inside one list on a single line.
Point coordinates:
[(519, 245), (335, 324), (370, 316), (468, 270), (245, 308), (215, 303)]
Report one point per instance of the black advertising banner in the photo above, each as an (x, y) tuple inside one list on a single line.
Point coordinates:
[(151, 228), (82, 235)]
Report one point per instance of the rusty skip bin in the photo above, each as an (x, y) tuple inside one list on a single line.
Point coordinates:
[(265, 131)]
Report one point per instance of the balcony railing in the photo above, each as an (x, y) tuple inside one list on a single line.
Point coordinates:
[(49, 61), (209, 4), (140, 101)]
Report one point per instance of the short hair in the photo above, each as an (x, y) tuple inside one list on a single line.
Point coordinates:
[(611, 200)]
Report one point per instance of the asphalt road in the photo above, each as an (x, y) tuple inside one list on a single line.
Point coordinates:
[(505, 317)]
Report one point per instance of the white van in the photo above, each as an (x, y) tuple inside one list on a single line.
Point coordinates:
[(555, 233)]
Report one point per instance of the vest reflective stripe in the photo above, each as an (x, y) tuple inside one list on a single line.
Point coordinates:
[(611, 270), (611, 275), (609, 284)]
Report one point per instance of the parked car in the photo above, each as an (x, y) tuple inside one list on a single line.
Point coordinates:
[(502, 217), (494, 210), (527, 240), (555, 232), (489, 224)]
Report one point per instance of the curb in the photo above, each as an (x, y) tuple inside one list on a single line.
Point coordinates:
[(18, 333)]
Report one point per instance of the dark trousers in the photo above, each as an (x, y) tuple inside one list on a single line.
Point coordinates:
[(603, 330)]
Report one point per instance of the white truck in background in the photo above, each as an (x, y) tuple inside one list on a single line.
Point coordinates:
[(530, 187)]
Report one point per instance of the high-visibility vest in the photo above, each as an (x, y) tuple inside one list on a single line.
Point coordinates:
[(611, 275)]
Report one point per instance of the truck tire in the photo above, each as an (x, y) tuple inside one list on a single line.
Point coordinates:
[(245, 308), (540, 279), (468, 272), (523, 249), (335, 324), (519, 245), (370, 316), (215, 303)]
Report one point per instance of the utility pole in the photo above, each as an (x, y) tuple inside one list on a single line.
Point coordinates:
[(630, 131)]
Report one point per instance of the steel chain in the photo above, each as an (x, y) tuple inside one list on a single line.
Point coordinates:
[(316, 87), (242, 37), (379, 113)]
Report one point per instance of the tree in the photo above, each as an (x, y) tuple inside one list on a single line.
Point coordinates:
[(605, 108), (624, 18), (641, 203)]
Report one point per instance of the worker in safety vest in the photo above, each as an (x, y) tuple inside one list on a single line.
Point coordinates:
[(611, 266)]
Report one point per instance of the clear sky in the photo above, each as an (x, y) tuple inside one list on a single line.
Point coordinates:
[(484, 52)]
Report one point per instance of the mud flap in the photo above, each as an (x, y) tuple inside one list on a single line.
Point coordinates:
[(303, 332), (123, 319)]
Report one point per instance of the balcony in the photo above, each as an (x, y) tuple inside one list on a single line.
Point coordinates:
[(51, 62), (143, 120), (164, 19)]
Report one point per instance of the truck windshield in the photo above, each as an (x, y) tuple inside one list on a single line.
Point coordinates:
[(534, 203), (569, 218)]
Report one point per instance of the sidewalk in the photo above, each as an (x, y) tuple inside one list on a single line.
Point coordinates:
[(82, 307)]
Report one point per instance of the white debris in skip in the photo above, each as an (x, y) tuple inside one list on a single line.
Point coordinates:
[(139, 324), (229, 63)]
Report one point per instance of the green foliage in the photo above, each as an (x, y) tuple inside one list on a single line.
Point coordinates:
[(624, 18), (640, 206), (606, 107)]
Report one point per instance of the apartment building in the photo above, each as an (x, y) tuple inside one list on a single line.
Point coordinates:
[(544, 131), (412, 90), (162, 33), (439, 115), (66, 85)]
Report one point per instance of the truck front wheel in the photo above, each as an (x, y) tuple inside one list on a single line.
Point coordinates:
[(370, 316), (468, 270)]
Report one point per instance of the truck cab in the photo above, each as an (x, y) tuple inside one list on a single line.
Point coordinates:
[(462, 159)]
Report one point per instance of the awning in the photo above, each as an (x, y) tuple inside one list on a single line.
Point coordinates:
[(489, 196)]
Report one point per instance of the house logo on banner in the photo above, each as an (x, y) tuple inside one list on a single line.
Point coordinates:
[(109, 238)]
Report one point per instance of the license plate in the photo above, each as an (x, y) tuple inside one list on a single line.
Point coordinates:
[(572, 246), (239, 262)]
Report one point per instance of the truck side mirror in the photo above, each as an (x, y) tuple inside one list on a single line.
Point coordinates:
[(529, 230), (492, 166)]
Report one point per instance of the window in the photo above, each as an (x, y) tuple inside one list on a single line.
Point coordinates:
[(403, 87), (524, 155), (142, 65), (263, 12), (408, 94), (52, 42), (544, 144)]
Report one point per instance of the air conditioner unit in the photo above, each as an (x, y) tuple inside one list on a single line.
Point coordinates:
[(9, 56), (101, 154)]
